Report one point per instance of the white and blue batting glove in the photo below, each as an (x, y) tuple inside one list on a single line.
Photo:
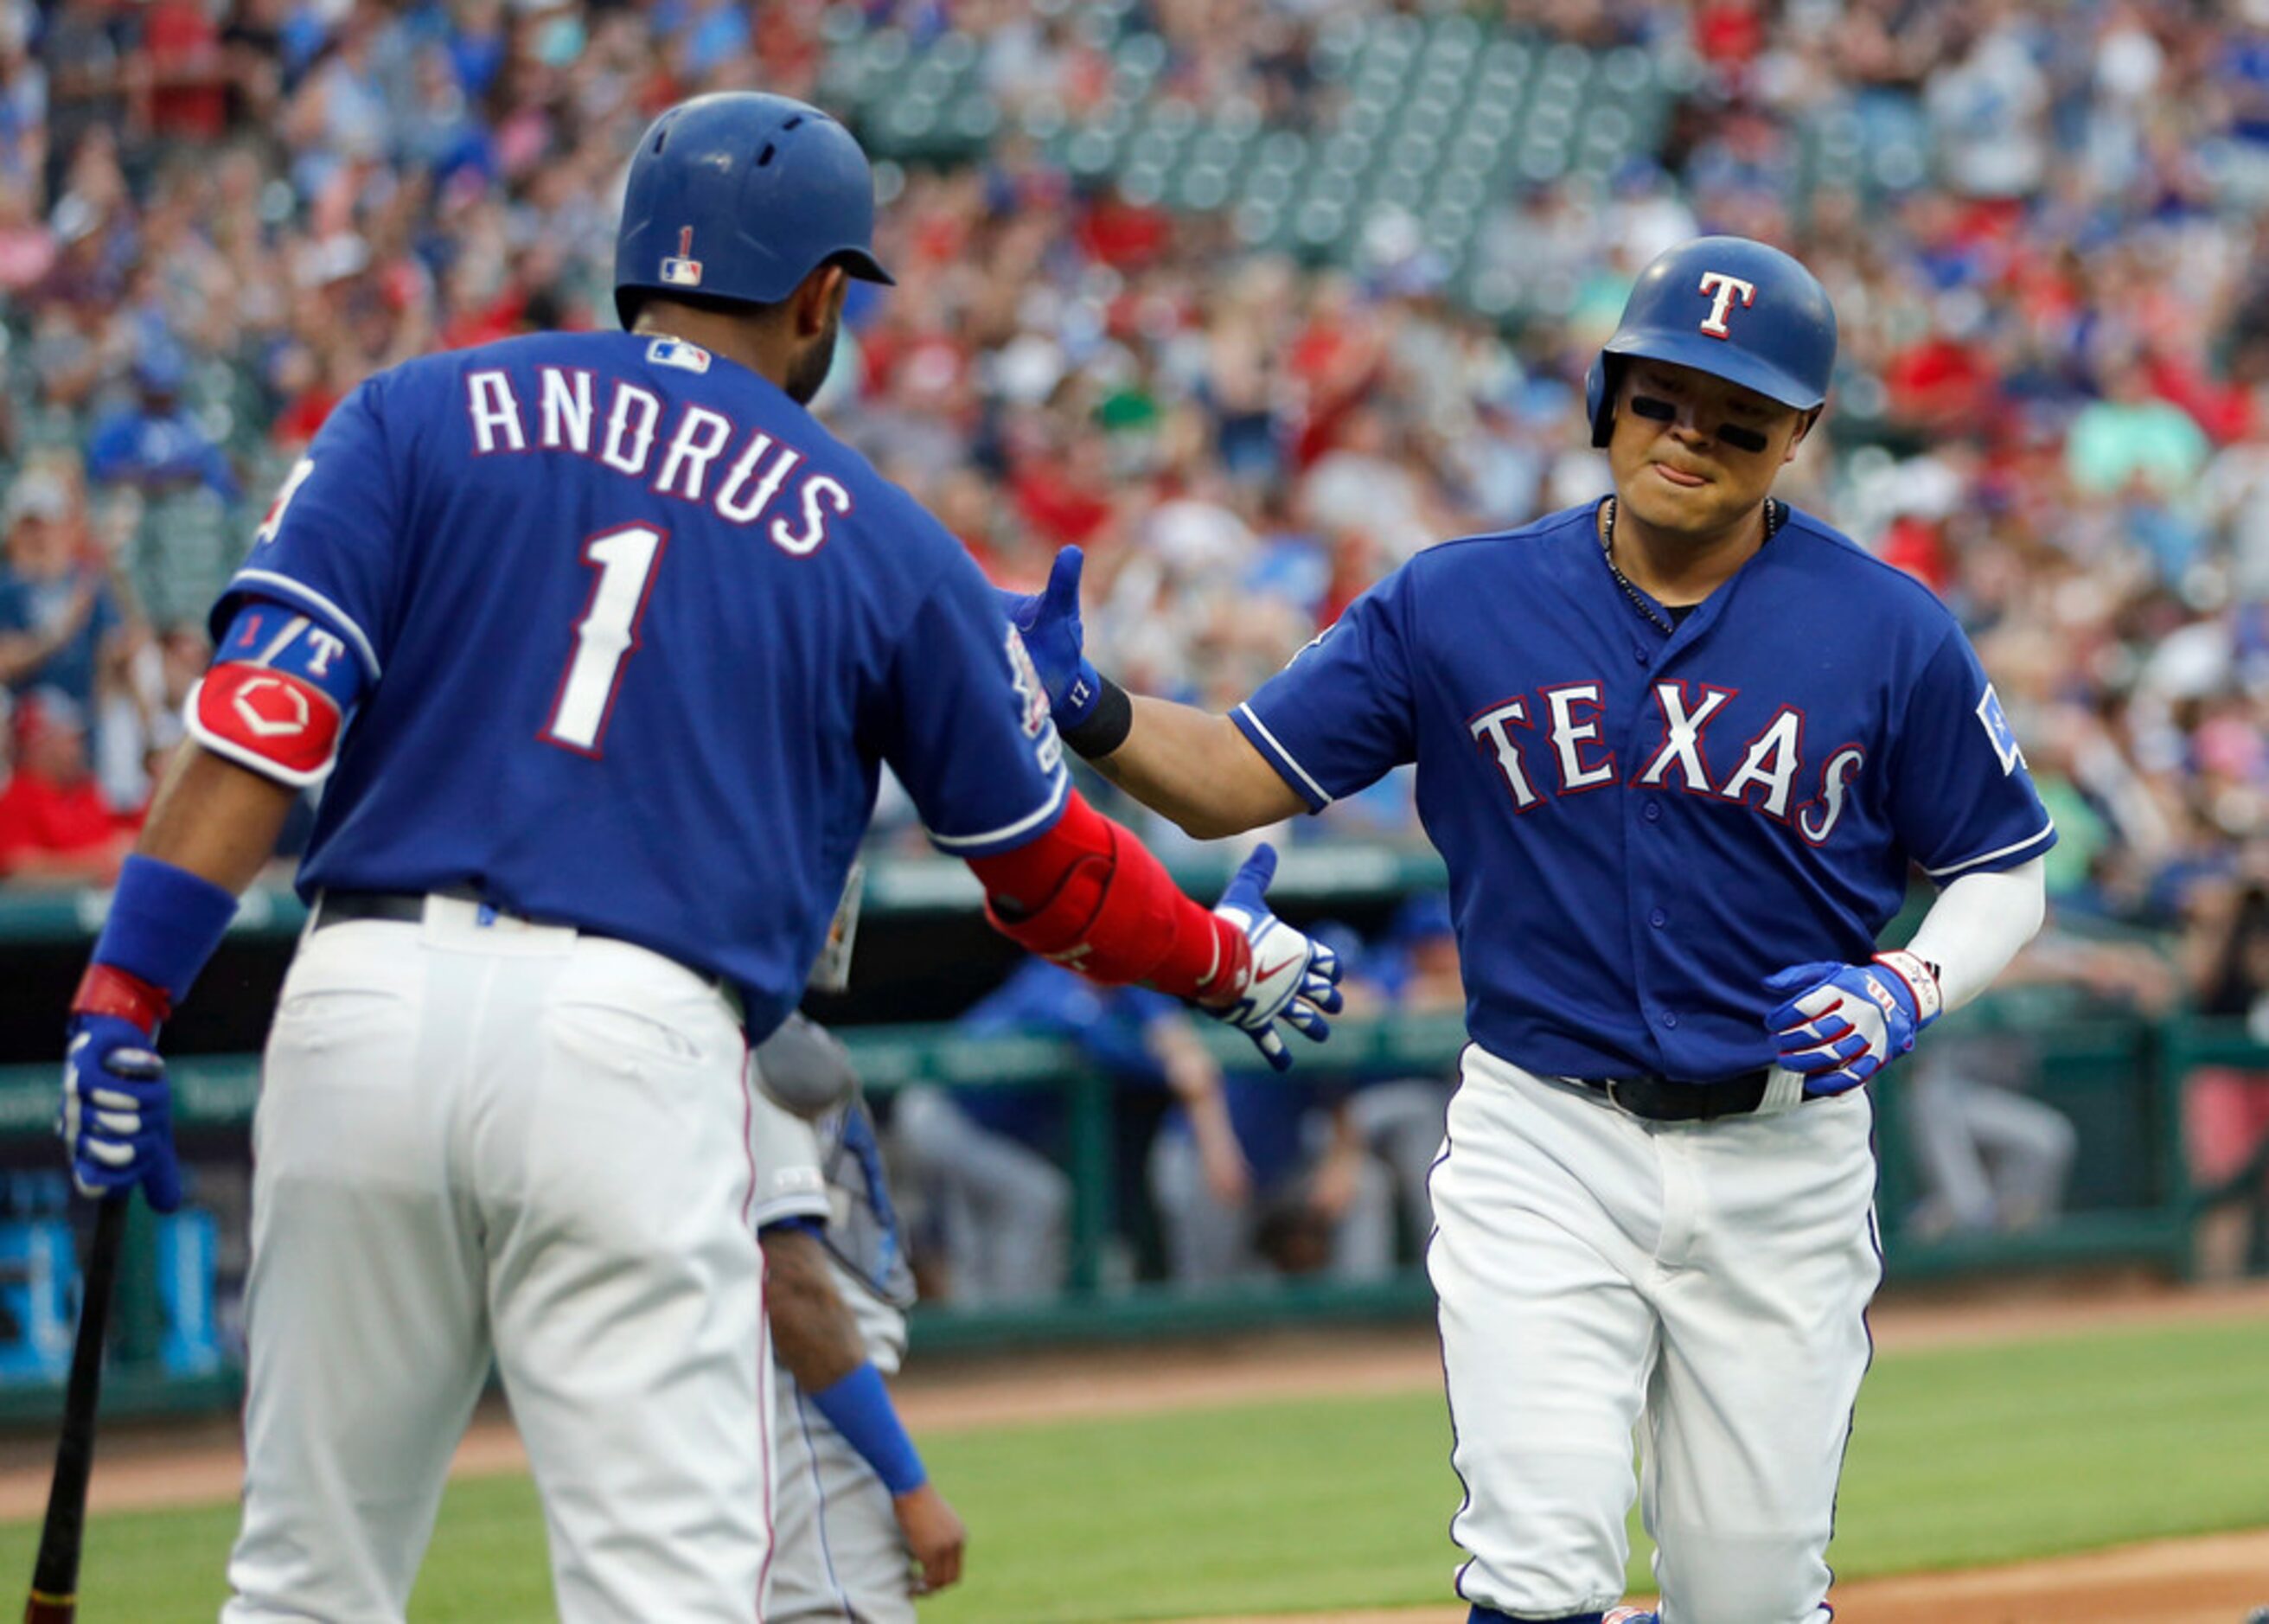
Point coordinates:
[(1846, 1023), (1048, 621), (117, 1117), (1295, 978)]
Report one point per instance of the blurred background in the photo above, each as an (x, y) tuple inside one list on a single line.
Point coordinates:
[(1252, 300)]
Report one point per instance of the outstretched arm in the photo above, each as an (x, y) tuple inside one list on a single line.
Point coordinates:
[(1185, 763), (1088, 895), (1197, 769)]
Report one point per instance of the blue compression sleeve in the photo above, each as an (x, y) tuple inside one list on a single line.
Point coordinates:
[(859, 1407), (164, 924)]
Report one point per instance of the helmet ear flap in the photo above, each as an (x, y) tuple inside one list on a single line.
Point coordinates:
[(1599, 401)]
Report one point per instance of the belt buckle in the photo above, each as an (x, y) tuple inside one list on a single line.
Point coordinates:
[(1614, 1087)]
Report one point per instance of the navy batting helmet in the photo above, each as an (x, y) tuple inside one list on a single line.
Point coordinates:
[(741, 196), (1731, 307)]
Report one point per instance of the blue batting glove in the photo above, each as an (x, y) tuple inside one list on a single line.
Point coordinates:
[(1295, 978), (117, 1112), (1048, 621), (1846, 1023)]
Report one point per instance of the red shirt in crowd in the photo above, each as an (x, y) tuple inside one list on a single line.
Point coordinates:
[(39, 816), (1057, 508), (190, 96)]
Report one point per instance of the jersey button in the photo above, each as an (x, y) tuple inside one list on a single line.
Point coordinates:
[(1658, 918), (1652, 811), (1638, 654), (1669, 1017)]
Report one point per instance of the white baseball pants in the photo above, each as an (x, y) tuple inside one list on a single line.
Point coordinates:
[(841, 1556), (498, 1138), (1704, 1282)]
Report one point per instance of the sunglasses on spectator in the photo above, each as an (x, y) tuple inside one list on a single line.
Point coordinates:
[(1654, 408)]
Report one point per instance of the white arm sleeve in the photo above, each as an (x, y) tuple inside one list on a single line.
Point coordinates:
[(1977, 925)]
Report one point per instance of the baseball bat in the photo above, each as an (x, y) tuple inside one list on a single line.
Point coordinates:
[(54, 1574)]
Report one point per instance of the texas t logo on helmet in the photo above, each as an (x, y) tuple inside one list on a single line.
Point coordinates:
[(1783, 349), (1721, 289), (682, 269)]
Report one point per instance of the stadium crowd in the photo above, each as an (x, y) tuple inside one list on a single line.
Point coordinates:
[(218, 216)]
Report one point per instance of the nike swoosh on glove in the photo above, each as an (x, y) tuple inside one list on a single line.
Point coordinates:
[(118, 1113), (1846, 1023), (1295, 978), (1048, 621)]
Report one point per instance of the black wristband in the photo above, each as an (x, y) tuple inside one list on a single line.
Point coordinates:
[(1107, 726)]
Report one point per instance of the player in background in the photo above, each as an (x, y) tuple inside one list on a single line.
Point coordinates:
[(601, 641), (861, 1529), (1680, 748)]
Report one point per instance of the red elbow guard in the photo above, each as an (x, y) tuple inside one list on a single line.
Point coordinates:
[(1110, 910), (276, 723)]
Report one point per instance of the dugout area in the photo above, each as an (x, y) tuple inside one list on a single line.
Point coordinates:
[(924, 954)]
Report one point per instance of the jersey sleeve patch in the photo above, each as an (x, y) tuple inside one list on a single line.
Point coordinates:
[(279, 693), (1997, 728)]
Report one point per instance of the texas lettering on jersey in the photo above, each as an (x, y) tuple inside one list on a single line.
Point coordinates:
[(1562, 723), (1681, 811)]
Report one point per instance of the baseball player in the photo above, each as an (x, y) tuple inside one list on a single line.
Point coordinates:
[(601, 641), (861, 1531), (1680, 748)]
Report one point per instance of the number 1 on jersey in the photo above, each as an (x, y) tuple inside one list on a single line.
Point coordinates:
[(606, 636)]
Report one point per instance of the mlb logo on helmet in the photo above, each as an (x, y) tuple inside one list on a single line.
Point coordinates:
[(682, 269)]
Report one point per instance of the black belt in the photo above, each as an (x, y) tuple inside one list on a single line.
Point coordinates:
[(401, 907), (409, 908), (1664, 1099)]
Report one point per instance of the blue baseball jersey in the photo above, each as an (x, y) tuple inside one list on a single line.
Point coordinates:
[(638, 634), (1640, 826)]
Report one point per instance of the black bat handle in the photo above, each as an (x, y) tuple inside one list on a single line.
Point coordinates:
[(55, 1576)]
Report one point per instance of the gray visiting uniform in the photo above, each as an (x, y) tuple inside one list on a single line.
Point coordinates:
[(837, 1551)]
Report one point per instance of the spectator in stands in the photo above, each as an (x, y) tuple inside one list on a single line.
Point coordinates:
[(2226, 1110), (2133, 436), (55, 827), (156, 445), (80, 48), (59, 619)]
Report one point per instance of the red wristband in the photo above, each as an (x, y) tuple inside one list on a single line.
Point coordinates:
[(106, 990)]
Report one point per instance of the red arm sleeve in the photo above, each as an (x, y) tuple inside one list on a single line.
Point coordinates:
[(1089, 894)]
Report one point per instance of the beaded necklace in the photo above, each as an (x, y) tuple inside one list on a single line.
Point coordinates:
[(1776, 511)]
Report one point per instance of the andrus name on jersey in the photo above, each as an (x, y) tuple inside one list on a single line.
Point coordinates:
[(1771, 766), (626, 434)]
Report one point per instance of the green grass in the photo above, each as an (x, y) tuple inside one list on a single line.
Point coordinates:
[(1961, 1457)]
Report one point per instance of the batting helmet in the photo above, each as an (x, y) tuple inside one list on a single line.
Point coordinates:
[(741, 196), (1731, 307)]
